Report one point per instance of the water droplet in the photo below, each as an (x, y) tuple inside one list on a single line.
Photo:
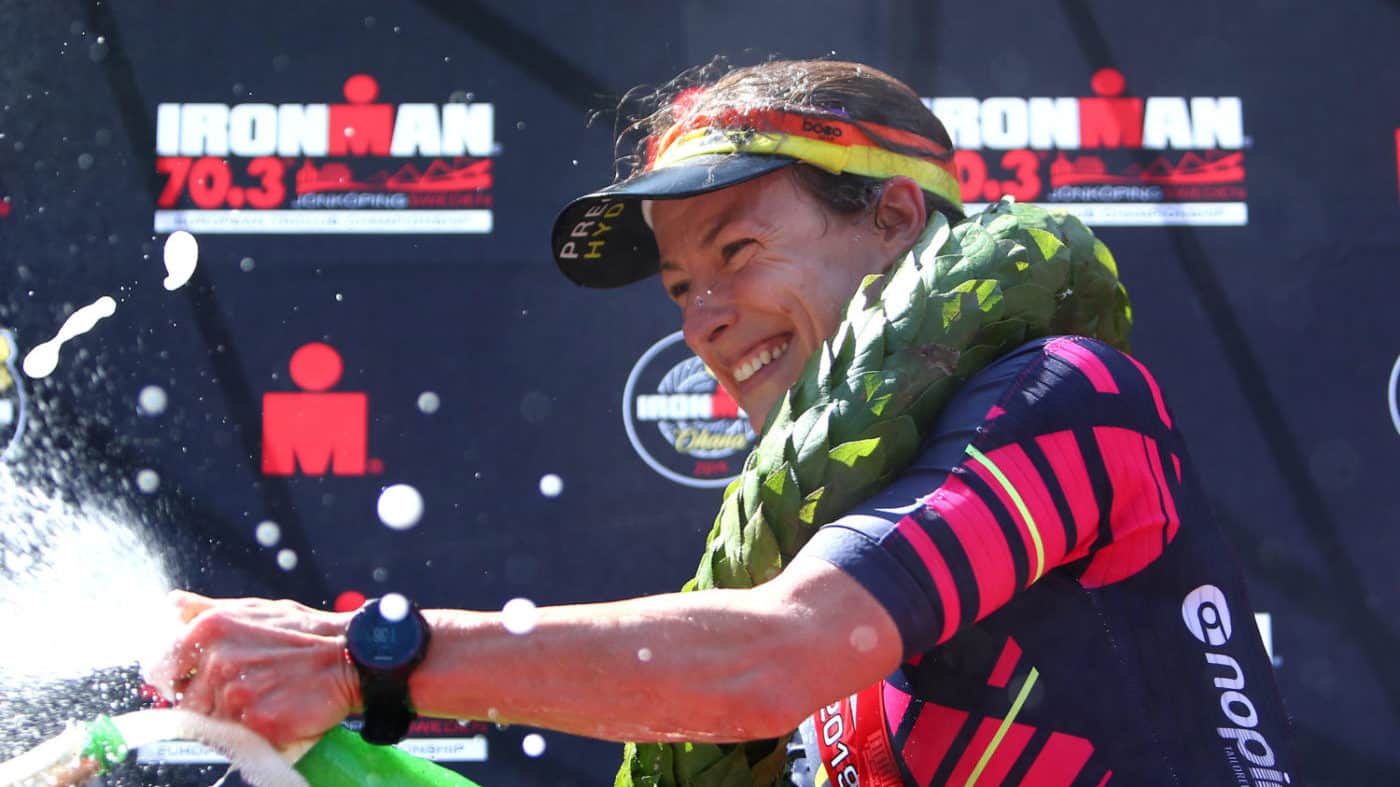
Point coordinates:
[(181, 257), (339, 296), (152, 400), (246, 264), (268, 533), (644, 654), (148, 481), (428, 402), (519, 125), (380, 574), (400, 506), (574, 162), (520, 615), (369, 22), (533, 745), (393, 607), (551, 485), (864, 639), (85, 161), (287, 560)]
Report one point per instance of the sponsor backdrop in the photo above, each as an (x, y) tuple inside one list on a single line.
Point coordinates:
[(370, 186)]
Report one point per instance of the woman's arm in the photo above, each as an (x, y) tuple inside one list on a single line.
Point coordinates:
[(716, 665)]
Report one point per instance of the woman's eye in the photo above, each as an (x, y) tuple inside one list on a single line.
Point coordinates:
[(732, 250), (678, 290)]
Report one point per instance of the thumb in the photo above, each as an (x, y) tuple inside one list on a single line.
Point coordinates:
[(188, 605)]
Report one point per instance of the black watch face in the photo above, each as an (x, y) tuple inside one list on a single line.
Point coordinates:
[(381, 643)]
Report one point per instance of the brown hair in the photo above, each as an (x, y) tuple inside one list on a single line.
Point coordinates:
[(833, 89)]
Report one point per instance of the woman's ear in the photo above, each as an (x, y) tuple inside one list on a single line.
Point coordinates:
[(900, 214)]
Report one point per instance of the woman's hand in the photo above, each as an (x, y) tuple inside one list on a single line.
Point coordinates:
[(277, 667)]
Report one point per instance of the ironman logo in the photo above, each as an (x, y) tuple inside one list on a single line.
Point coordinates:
[(681, 421)]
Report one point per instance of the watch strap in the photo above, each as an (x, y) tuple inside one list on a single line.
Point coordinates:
[(388, 712)]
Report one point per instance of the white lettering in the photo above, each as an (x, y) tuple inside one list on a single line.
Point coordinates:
[(252, 130), (1221, 659), (1231, 700), (672, 407), (416, 131), (168, 130), (570, 252), (1217, 122), (1166, 123), (1005, 123), (1250, 744), (962, 118), (204, 130), (303, 129), (1054, 123), (468, 128)]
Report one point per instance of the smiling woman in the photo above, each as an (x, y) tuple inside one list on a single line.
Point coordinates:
[(970, 512)]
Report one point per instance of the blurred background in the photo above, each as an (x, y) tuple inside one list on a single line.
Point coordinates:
[(372, 184)]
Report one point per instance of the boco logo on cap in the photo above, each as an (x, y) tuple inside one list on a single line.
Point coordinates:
[(681, 421), (12, 402)]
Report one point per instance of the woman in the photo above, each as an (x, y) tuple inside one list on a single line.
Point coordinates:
[(1038, 597)]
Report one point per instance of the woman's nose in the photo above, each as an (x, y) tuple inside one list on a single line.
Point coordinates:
[(707, 316)]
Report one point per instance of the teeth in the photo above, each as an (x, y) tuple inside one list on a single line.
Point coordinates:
[(750, 367)]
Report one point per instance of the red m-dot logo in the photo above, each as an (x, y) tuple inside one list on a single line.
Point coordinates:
[(314, 429)]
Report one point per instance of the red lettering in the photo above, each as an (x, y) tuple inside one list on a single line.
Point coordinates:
[(312, 429), (1026, 166), (178, 168), (360, 128), (1110, 122), (209, 182), (722, 405), (972, 173), (273, 189)]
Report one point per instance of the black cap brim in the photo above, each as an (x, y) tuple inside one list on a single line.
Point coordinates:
[(602, 240)]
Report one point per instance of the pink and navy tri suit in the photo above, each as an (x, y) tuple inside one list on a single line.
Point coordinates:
[(1070, 614)]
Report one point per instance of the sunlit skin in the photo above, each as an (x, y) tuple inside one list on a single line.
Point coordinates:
[(772, 266), (763, 266)]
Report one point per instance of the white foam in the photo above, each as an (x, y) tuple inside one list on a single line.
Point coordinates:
[(520, 615), (181, 258), (80, 581), (286, 559), (393, 607), (42, 359), (428, 402), (268, 533), (148, 481), (400, 506), (551, 485), (533, 745), (152, 400)]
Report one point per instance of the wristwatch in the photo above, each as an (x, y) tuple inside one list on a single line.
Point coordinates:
[(386, 639)]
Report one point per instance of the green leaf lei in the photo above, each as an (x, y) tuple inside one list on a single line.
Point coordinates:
[(962, 297)]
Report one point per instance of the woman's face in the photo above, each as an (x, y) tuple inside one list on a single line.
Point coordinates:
[(761, 272)]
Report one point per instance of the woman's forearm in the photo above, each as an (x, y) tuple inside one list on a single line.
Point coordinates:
[(715, 665), (708, 666)]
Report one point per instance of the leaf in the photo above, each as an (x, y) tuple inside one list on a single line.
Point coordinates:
[(809, 439), (761, 554), (781, 497), (962, 297)]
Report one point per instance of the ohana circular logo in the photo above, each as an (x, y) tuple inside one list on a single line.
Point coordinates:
[(681, 421), (1395, 394)]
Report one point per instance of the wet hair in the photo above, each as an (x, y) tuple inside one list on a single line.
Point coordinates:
[(837, 90)]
